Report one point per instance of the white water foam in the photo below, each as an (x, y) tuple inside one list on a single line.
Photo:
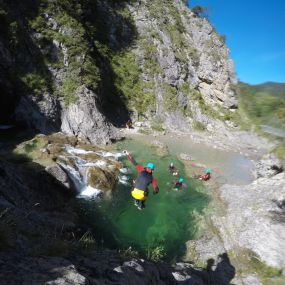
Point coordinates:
[(124, 170), (110, 154), (72, 150), (75, 176), (84, 190), (123, 179), (90, 192)]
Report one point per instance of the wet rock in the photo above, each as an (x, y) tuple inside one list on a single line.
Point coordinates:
[(39, 112), (185, 156), (60, 175), (268, 166), (251, 280), (203, 249), (83, 119), (103, 179), (44, 270)]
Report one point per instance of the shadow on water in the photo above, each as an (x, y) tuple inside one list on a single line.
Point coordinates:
[(168, 221)]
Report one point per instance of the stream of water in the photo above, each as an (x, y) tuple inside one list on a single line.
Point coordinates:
[(170, 218)]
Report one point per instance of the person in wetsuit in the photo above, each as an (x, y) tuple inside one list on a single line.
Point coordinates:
[(172, 169), (144, 178), (179, 184), (206, 176)]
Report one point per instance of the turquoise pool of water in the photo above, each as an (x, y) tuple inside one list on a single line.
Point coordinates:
[(168, 220)]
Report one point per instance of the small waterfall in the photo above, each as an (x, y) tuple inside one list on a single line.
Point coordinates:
[(78, 169), (75, 177)]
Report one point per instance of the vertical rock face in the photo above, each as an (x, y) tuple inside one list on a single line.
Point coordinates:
[(41, 113), (185, 59), (83, 119), (255, 219), (86, 66)]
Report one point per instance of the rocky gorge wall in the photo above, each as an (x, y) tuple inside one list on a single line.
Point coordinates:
[(84, 68)]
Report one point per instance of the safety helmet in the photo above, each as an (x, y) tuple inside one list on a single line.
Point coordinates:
[(150, 165), (208, 170), (181, 180), (171, 164)]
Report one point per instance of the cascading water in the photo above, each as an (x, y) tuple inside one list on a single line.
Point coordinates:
[(78, 168)]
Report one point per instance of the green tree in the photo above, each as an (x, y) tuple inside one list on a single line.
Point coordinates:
[(199, 11)]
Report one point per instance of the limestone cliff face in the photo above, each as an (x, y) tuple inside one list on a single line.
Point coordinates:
[(185, 60), (84, 67)]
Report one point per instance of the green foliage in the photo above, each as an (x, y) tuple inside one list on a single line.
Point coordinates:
[(198, 126), (199, 11), (87, 241), (156, 253), (129, 253), (169, 98), (135, 92), (156, 125), (261, 107), (267, 273), (194, 55), (35, 83), (205, 109), (279, 151), (69, 85), (144, 131)]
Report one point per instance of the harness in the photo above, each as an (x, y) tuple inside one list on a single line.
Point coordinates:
[(143, 180)]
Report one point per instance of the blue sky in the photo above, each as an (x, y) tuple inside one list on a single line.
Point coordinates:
[(255, 35)]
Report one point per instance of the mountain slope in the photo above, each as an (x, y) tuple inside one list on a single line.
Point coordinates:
[(264, 103), (274, 88), (83, 67)]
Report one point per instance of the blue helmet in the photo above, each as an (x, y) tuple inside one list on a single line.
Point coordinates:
[(150, 165), (181, 180), (208, 170)]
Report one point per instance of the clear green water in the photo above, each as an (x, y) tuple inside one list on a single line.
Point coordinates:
[(168, 219)]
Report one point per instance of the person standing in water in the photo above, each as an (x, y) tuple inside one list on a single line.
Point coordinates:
[(144, 178)]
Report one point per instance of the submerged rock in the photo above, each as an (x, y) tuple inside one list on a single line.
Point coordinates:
[(160, 148), (185, 156)]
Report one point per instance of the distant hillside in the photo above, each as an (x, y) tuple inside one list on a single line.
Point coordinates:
[(263, 103), (274, 88)]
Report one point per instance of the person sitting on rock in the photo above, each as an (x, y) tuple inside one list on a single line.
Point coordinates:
[(144, 178), (172, 169), (129, 124), (179, 184), (205, 176)]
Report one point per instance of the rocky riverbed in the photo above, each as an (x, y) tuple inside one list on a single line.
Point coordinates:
[(46, 241)]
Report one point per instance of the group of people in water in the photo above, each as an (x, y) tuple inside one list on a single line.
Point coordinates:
[(145, 178)]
